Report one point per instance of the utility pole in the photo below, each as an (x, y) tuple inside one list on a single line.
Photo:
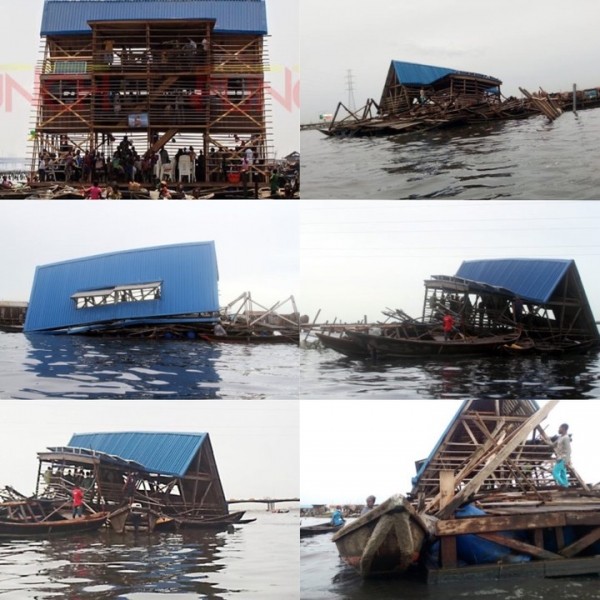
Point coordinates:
[(350, 88)]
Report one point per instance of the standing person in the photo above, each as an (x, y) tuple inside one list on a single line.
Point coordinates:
[(274, 184), (370, 504), (562, 449), (77, 495), (42, 168), (448, 324), (518, 311), (129, 488)]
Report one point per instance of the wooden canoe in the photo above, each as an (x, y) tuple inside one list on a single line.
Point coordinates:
[(414, 347), (344, 345), (10, 528), (310, 530), (385, 541), (211, 523)]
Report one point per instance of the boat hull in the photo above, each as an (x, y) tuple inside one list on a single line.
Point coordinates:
[(407, 347), (60, 527), (311, 530), (344, 345), (208, 523), (385, 541)]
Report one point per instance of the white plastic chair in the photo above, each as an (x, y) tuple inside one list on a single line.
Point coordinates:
[(168, 170), (185, 168)]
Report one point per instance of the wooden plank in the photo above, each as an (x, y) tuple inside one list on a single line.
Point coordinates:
[(538, 569), (582, 543), (585, 518), (509, 446), (560, 537), (491, 523), (448, 554), (446, 487), (521, 547)]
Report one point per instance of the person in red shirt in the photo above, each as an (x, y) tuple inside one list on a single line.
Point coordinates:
[(448, 324), (95, 192), (77, 495)]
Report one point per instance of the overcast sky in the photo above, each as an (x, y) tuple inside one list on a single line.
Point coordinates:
[(255, 442), (256, 242), (350, 449), (359, 257), (526, 44), (19, 52)]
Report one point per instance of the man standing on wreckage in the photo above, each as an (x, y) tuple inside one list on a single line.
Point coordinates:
[(562, 449)]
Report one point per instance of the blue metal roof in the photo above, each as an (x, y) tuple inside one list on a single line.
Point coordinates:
[(416, 74), (161, 453), (67, 17), (187, 273), (531, 279)]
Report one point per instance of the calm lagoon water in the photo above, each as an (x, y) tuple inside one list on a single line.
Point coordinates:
[(50, 366), (530, 159), (258, 561), (72, 367), (327, 374)]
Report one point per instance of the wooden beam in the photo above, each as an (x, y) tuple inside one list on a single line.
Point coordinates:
[(446, 487), (518, 437), (492, 523), (448, 554), (521, 546), (582, 543)]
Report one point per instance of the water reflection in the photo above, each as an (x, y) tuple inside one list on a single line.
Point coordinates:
[(257, 561), (84, 367), (114, 566), (325, 374)]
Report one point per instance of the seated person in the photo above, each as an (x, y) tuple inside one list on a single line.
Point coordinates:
[(337, 518)]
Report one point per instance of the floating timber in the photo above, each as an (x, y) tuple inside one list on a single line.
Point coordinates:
[(418, 98)]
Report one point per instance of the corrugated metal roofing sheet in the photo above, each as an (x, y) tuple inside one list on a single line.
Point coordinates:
[(63, 17), (531, 279), (416, 74), (162, 453), (187, 272)]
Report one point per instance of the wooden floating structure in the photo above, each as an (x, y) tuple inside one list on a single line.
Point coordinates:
[(418, 98), (143, 479), (133, 80), (22, 517), (12, 316), (487, 504), (497, 306), (164, 292)]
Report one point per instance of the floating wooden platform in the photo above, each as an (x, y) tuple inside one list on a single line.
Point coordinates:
[(500, 571)]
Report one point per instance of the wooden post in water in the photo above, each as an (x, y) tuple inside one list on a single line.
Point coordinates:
[(574, 98)]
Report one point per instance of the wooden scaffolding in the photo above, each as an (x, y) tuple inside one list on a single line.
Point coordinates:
[(151, 81)]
